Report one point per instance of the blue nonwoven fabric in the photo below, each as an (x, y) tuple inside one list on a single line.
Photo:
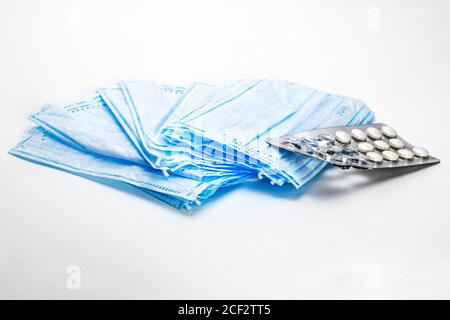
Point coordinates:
[(42, 147), (181, 144), (244, 115)]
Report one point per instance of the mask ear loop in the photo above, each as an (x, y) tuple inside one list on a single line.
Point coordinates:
[(187, 207), (165, 173), (279, 181)]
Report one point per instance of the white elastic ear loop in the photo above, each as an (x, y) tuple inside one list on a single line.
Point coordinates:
[(187, 206), (165, 173)]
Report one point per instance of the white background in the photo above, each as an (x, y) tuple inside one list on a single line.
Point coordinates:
[(348, 234)]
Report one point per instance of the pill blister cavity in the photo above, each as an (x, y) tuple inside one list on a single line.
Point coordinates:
[(381, 145), (374, 133), (389, 131), (374, 156), (358, 134), (420, 152), (342, 137), (396, 143), (390, 155), (365, 147), (326, 137), (405, 154)]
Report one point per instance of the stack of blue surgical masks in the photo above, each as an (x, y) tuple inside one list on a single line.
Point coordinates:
[(181, 145)]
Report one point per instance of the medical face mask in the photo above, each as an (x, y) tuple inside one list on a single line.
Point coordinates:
[(117, 104), (242, 118), (150, 111), (41, 147), (195, 101), (181, 144), (141, 111), (90, 126)]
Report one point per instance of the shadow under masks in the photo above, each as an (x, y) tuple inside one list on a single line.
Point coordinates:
[(138, 192), (332, 182)]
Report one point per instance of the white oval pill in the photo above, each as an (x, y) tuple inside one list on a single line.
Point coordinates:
[(358, 134), (374, 133), (374, 156), (396, 143), (342, 137), (365, 147), (390, 155), (389, 132), (405, 154), (381, 145), (420, 152)]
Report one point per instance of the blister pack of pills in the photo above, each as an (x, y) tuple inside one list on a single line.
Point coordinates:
[(370, 146)]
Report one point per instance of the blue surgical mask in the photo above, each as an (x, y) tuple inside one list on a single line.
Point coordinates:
[(248, 113), (182, 144), (150, 112), (89, 125), (41, 147), (142, 110)]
